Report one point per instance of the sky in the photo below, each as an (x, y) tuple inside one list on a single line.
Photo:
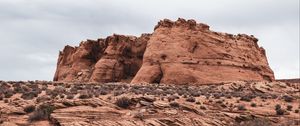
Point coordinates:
[(33, 31)]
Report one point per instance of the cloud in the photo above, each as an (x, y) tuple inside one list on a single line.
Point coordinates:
[(33, 31)]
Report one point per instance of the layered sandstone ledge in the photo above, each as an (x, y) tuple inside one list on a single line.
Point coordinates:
[(240, 103), (180, 52)]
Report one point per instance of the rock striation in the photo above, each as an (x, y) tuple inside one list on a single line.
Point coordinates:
[(177, 52)]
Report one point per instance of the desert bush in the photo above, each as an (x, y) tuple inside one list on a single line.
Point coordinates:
[(247, 98), (6, 100), (37, 90), (29, 95), (123, 102), (156, 92), (136, 91), (172, 98), (181, 92), (195, 93), (67, 86), (18, 89), (202, 107), (44, 87), (185, 96), (103, 92), (73, 90), (62, 95), (253, 104), (29, 108), (274, 96), (288, 98), (4, 87), (139, 115), (223, 105), (59, 90), (1, 97), (255, 122), (174, 104), (93, 105), (48, 91), (277, 106), (42, 112), (289, 107), (279, 111), (55, 84), (96, 94), (191, 99), (217, 95), (67, 103), (30, 82), (228, 96), (85, 95), (43, 98), (70, 96), (219, 101), (241, 107), (170, 92), (117, 93), (8, 95), (162, 98), (25, 88)]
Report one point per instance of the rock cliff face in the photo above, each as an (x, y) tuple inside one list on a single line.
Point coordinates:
[(180, 52), (116, 58)]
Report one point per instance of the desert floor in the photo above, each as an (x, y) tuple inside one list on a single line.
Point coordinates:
[(43, 103)]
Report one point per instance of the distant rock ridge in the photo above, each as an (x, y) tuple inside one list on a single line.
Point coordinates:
[(177, 52)]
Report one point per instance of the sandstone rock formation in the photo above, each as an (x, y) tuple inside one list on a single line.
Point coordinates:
[(177, 52), (115, 58)]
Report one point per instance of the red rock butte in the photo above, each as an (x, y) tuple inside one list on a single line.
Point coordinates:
[(177, 52)]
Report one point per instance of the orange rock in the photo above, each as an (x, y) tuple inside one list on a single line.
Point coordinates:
[(115, 58), (180, 52)]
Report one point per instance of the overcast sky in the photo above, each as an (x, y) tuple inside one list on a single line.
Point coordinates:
[(33, 31)]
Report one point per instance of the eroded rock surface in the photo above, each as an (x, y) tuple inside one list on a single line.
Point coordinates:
[(180, 52), (116, 58)]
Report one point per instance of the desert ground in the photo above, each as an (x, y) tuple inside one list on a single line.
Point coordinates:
[(247, 103)]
